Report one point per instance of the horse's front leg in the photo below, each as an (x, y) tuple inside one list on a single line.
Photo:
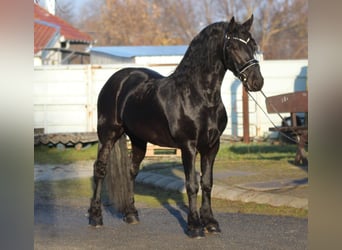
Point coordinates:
[(207, 161), (195, 229)]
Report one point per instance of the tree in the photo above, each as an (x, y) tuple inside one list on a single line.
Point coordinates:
[(129, 22), (280, 26), (282, 29), (64, 10)]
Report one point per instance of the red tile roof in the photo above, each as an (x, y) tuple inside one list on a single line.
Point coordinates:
[(43, 33)]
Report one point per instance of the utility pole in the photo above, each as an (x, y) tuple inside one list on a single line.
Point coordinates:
[(245, 112)]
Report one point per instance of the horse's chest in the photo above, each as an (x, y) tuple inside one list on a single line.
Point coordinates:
[(209, 124), (213, 116), (206, 130), (209, 121)]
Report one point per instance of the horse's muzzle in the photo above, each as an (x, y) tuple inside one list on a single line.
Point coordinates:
[(254, 81), (256, 85)]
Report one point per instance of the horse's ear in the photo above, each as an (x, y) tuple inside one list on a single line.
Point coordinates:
[(231, 24), (248, 23)]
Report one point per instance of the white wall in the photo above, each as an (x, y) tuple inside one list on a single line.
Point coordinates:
[(280, 77), (158, 59), (65, 96), (60, 98)]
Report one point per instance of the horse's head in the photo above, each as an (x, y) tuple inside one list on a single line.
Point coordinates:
[(239, 51)]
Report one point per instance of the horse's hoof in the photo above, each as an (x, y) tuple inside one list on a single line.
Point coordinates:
[(95, 223), (212, 229), (95, 226), (196, 233), (131, 219)]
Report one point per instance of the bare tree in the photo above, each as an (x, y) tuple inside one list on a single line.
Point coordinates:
[(118, 22), (89, 18), (283, 27), (178, 18), (64, 10), (280, 26)]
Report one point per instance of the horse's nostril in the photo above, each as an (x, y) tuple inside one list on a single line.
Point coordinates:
[(256, 85)]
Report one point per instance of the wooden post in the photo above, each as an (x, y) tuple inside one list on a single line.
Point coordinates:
[(245, 110)]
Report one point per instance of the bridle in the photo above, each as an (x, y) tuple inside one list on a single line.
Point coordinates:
[(239, 72)]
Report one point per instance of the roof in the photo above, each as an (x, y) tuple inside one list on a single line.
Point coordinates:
[(44, 35), (42, 31), (134, 51)]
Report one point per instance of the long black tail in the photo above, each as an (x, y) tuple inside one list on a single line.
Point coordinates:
[(118, 179)]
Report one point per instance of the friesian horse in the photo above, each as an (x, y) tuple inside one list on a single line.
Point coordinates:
[(183, 110)]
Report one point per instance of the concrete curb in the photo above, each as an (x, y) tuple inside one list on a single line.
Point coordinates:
[(224, 192)]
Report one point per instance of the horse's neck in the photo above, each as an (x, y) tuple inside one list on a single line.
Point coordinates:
[(208, 75), (201, 80)]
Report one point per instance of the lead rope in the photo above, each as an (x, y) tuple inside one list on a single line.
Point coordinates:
[(268, 117)]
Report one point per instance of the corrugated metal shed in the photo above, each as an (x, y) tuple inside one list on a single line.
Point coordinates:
[(138, 54)]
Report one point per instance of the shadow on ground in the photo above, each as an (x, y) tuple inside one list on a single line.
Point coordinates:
[(174, 202)]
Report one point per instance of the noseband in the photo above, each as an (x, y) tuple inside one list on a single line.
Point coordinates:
[(240, 71), (242, 76)]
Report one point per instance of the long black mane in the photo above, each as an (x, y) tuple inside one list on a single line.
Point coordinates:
[(204, 51)]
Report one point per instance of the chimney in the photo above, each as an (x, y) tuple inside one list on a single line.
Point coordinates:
[(49, 5)]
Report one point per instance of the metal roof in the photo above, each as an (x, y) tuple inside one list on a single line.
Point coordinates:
[(134, 51)]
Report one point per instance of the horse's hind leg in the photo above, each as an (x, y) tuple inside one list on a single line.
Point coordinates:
[(107, 139), (137, 155)]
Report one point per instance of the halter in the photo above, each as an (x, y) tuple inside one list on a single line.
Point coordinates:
[(239, 72)]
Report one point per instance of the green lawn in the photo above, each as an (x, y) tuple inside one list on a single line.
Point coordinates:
[(228, 151), (44, 154)]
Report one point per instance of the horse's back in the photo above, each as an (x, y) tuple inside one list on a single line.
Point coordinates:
[(119, 84), (135, 75)]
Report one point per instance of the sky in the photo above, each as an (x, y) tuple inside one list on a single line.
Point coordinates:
[(77, 4)]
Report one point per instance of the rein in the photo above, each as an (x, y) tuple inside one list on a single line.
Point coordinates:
[(239, 72)]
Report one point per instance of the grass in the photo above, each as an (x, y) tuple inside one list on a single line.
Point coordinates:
[(256, 151), (228, 151), (44, 154), (70, 188), (154, 197)]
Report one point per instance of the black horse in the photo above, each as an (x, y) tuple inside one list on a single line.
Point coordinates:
[(183, 110)]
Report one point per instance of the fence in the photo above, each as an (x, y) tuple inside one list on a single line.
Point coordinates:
[(65, 96)]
